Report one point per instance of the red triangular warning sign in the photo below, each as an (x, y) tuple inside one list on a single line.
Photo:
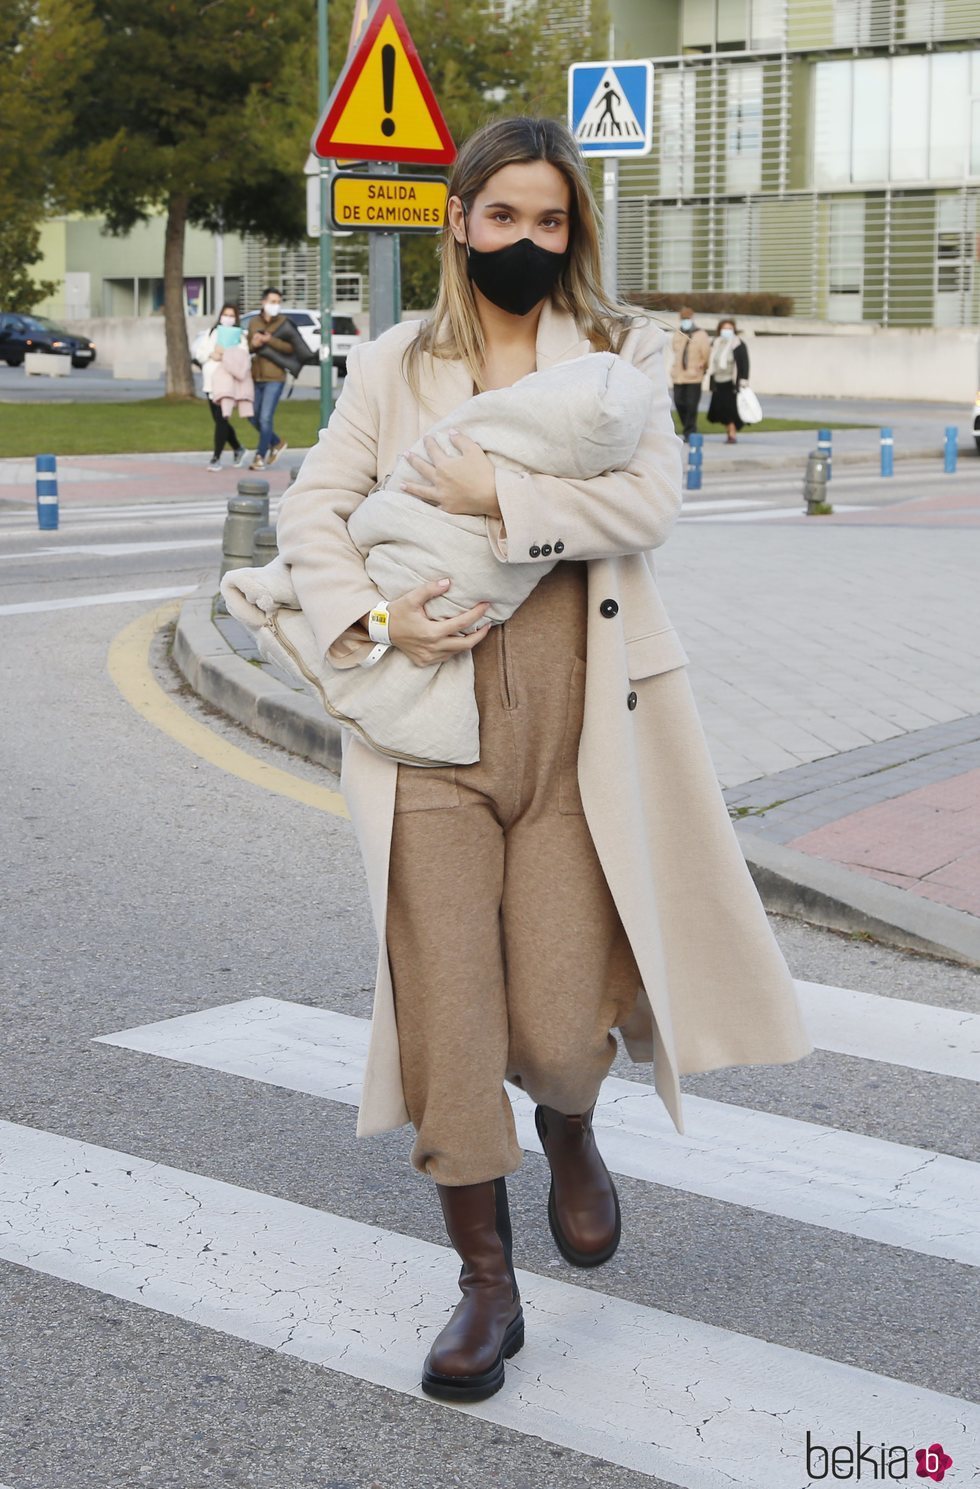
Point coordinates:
[(383, 107)]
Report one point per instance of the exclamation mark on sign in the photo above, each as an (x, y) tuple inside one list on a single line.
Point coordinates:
[(388, 87)]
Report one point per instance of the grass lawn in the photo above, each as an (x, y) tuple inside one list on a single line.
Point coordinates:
[(768, 426), (153, 425), (147, 426)]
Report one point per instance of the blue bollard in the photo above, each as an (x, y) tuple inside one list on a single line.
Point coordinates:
[(823, 447), (887, 453), (949, 454), (46, 480), (695, 455)]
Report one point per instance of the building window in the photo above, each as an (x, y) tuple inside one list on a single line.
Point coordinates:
[(739, 245), (954, 259), (949, 115), (744, 129), (869, 119), (900, 119), (677, 95), (676, 248), (852, 22), (845, 254), (767, 23)]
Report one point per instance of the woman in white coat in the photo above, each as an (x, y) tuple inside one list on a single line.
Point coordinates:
[(583, 875)]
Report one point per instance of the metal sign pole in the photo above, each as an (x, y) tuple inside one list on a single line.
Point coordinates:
[(326, 241), (610, 225), (384, 264)]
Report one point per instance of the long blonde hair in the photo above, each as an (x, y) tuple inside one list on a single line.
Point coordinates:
[(453, 329)]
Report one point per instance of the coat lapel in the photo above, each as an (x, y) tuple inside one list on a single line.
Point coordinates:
[(445, 384)]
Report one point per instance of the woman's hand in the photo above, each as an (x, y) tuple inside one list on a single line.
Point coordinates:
[(464, 484), (426, 641)]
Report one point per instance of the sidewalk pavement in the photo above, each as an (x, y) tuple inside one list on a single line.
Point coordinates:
[(835, 671), (126, 479)]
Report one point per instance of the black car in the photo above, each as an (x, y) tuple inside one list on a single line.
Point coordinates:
[(35, 333)]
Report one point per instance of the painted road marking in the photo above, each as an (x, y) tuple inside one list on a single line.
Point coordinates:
[(114, 550), (130, 670), (77, 602), (699, 1406), (918, 1036), (824, 1176)]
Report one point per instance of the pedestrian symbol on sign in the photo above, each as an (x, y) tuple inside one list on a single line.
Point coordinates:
[(608, 114), (610, 107)]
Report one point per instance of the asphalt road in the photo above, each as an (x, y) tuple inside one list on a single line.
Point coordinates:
[(146, 881)]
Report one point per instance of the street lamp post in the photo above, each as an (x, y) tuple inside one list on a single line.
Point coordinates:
[(326, 242)]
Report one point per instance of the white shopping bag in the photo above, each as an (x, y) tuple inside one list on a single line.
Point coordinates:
[(749, 408)]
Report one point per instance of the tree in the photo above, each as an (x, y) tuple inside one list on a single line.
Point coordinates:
[(44, 46), (203, 111)]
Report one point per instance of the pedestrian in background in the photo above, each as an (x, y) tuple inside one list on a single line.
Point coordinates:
[(583, 874), (210, 353), (691, 348), (269, 379), (729, 369)]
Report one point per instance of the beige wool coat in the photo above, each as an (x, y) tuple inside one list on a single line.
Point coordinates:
[(716, 989)]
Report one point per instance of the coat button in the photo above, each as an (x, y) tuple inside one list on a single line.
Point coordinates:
[(534, 551), (631, 701), (608, 609), (559, 547), (545, 550)]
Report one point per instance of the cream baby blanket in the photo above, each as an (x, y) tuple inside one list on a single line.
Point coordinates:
[(576, 420)]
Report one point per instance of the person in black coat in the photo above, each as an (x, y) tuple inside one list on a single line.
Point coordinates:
[(728, 370)]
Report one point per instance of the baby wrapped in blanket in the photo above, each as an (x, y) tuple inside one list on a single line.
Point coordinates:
[(576, 420)]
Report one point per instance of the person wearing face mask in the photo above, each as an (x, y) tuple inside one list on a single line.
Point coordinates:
[(227, 332), (268, 376), (583, 874), (691, 351), (729, 369)]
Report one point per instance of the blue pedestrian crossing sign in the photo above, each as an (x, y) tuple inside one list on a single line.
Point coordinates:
[(610, 107)]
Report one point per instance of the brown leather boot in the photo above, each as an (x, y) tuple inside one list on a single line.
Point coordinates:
[(466, 1361), (583, 1206)]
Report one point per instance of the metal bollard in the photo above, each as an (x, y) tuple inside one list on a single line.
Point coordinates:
[(264, 546), (246, 514), (824, 437), (259, 490), (46, 486), (695, 456), (815, 485), (887, 453), (950, 451)]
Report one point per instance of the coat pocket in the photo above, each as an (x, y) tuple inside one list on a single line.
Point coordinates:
[(422, 788), (660, 651), (569, 796)]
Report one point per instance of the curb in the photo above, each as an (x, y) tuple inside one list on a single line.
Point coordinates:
[(789, 882), (248, 694), (825, 893)]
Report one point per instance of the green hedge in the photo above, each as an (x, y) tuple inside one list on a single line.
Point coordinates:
[(716, 302)]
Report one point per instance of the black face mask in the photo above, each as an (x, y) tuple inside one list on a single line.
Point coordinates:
[(517, 277)]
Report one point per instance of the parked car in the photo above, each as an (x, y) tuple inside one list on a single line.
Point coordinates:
[(343, 332), (20, 334)]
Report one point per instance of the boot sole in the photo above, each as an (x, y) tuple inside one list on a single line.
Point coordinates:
[(476, 1387), (579, 1258)]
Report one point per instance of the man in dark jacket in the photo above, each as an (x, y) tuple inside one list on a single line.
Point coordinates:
[(269, 379)]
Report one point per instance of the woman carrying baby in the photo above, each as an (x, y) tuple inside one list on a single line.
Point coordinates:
[(583, 874)]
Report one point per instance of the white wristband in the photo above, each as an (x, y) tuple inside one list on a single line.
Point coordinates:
[(375, 654), (378, 623)]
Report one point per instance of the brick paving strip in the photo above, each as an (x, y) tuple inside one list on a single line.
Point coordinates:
[(905, 812)]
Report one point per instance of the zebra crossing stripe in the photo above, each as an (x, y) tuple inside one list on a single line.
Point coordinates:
[(113, 550), (699, 1406), (862, 1186), (76, 602), (919, 1036)]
